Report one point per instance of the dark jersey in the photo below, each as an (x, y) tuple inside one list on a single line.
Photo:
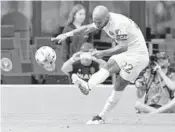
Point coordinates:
[(84, 72)]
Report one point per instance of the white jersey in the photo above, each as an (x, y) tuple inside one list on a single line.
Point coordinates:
[(124, 30)]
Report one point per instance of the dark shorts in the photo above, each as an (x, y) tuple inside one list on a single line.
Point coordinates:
[(156, 106)]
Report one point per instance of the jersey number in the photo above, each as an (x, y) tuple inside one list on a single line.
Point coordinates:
[(127, 68)]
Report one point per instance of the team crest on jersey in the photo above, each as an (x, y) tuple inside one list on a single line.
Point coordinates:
[(92, 70), (111, 33), (6, 64), (120, 35)]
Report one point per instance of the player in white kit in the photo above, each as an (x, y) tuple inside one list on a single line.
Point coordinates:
[(128, 58)]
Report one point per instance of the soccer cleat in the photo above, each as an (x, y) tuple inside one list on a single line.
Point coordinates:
[(82, 85), (96, 120)]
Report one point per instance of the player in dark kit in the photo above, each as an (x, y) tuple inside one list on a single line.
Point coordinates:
[(82, 63)]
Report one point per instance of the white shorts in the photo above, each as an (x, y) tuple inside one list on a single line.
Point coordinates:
[(131, 65)]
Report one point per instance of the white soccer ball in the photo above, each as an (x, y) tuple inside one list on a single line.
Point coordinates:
[(45, 56)]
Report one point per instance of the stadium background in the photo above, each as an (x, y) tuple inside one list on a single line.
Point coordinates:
[(34, 22)]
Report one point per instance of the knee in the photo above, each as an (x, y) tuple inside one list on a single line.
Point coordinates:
[(120, 84), (109, 64)]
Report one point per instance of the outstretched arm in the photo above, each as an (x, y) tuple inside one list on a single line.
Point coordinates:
[(86, 28)]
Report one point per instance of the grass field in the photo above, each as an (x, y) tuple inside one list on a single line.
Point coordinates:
[(64, 109)]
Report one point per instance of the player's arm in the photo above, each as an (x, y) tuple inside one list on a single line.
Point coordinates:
[(121, 37), (86, 28), (120, 48)]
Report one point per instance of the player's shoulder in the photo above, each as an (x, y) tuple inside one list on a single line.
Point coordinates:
[(118, 20), (118, 17)]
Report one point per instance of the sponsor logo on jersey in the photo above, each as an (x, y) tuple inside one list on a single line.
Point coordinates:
[(84, 76), (6, 64), (111, 33), (92, 70)]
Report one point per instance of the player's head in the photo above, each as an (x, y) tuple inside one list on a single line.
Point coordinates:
[(163, 59), (77, 14), (46, 57), (85, 56), (100, 16)]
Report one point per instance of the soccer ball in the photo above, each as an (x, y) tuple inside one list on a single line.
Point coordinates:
[(46, 57)]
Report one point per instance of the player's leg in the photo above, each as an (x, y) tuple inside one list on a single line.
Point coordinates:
[(111, 102), (98, 77), (129, 71), (114, 98)]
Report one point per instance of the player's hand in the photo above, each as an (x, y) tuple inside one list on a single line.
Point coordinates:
[(90, 29), (98, 54), (59, 38)]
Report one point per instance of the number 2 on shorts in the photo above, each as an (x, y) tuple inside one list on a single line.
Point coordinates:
[(127, 68)]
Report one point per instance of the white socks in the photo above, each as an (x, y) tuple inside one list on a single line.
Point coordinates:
[(98, 77), (110, 104)]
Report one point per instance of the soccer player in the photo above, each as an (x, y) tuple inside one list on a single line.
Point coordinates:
[(128, 58), (82, 63)]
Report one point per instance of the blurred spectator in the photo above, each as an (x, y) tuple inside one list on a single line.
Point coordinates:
[(82, 63), (164, 14), (16, 18), (157, 84), (38, 79), (173, 63), (72, 44)]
